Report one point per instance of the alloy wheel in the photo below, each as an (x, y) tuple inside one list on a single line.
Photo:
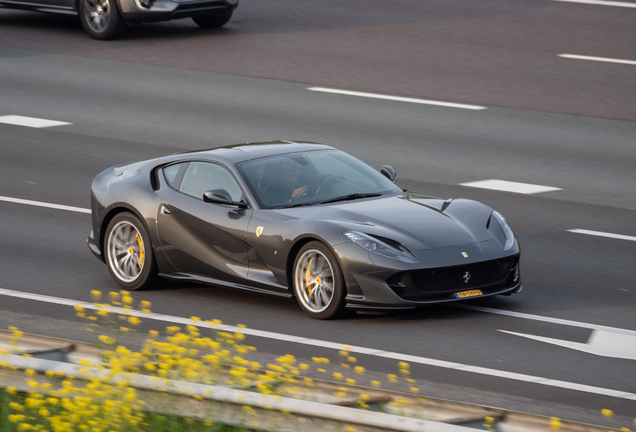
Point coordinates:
[(97, 14), (314, 280), (125, 251)]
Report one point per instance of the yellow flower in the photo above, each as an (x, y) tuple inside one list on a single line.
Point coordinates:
[(403, 365), (376, 384), (134, 320), (350, 381), (337, 375), (145, 304), (350, 428), (78, 308), (12, 390), (29, 372), (15, 406), (392, 378), (153, 333), (359, 370), (321, 370), (414, 390), (85, 362), (555, 423), (343, 353), (607, 413), (127, 299), (44, 412), (351, 359), (97, 295), (124, 329)]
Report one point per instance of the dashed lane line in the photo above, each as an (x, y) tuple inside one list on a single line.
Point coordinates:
[(337, 346), (603, 234), (44, 204), (396, 98), (541, 318), (599, 59), (508, 186), (601, 2), (33, 122)]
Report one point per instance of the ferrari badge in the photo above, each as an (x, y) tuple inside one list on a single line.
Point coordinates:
[(259, 231)]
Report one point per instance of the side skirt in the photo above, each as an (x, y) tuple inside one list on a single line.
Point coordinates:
[(211, 281)]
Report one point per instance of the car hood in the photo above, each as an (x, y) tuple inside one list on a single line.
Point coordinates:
[(412, 219)]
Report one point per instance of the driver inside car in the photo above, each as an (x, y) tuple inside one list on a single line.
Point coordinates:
[(288, 184)]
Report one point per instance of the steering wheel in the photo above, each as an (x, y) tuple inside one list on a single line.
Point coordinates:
[(328, 183)]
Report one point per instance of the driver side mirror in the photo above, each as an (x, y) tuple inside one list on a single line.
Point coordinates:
[(221, 196), (389, 172)]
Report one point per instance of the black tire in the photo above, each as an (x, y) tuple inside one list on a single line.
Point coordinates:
[(138, 268), (211, 21), (101, 18), (324, 280)]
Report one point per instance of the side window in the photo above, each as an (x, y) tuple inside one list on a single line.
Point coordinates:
[(174, 174), (203, 176)]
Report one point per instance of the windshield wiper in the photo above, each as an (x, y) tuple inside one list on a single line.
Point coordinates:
[(351, 197), (298, 205)]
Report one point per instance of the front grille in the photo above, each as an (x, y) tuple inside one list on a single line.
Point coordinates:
[(193, 5), (416, 284)]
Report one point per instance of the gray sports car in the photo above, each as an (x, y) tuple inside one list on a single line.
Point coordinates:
[(107, 19), (297, 219)]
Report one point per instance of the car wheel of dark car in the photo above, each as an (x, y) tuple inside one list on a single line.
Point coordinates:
[(318, 282), (101, 18), (211, 21), (129, 254)]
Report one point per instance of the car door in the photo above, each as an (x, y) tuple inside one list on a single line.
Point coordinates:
[(200, 237)]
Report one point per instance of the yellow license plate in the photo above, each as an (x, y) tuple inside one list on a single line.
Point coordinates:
[(471, 293)]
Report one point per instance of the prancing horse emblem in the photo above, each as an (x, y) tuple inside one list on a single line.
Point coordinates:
[(259, 231), (466, 277)]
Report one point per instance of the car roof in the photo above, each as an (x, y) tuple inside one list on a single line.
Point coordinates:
[(243, 152)]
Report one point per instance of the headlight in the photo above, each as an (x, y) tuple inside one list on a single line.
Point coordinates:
[(379, 247), (510, 237)]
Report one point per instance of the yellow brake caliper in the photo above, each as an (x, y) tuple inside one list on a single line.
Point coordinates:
[(141, 251), (307, 275)]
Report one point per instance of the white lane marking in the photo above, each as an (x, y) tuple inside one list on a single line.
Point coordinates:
[(335, 346), (601, 343), (43, 204), (599, 59), (602, 234), (545, 319), (508, 186), (31, 121), (601, 2), (396, 98)]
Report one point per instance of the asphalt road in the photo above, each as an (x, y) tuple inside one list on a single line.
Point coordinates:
[(549, 121)]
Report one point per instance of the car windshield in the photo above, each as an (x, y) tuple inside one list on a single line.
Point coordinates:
[(312, 177)]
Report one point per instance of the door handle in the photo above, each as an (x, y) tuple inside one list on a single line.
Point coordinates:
[(165, 210)]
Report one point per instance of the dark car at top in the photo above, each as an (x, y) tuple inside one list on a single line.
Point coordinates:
[(107, 19), (297, 219)]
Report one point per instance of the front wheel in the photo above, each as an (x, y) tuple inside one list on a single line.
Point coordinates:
[(210, 21), (101, 18), (129, 254), (318, 282)]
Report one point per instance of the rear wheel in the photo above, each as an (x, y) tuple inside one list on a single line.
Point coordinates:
[(318, 282), (210, 21), (101, 18), (129, 254)]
